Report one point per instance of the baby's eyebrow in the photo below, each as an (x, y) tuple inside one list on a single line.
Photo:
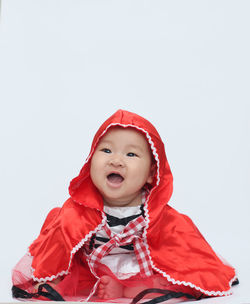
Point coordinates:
[(105, 141), (133, 146)]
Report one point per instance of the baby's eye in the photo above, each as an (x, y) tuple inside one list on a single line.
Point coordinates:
[(131, 154), (105, 150)]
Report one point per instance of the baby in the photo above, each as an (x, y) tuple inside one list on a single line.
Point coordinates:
[(121, 167), (116, 236)]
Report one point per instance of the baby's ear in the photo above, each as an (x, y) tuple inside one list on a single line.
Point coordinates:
[(152, 173)]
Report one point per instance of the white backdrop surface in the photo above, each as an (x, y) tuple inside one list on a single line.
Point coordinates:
[(65, 66)]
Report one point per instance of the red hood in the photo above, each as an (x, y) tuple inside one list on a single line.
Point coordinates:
[(83, 191)]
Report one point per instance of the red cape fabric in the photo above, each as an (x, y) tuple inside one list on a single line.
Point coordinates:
[(178, 251)]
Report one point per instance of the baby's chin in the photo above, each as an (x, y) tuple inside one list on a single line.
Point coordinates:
[(122, 203)]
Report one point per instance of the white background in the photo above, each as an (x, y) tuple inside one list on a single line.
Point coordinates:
[(66, 66)]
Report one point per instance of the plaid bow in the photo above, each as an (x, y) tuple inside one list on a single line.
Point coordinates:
[(132, 233)]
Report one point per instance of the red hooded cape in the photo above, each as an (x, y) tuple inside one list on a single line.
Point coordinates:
[(177, 249)]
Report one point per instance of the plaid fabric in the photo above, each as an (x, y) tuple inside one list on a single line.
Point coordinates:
[(132, 233)]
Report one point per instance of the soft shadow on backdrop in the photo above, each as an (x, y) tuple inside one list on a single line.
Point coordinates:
[(184, 65)]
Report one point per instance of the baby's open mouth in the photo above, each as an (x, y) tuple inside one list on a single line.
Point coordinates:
[(115, 178)]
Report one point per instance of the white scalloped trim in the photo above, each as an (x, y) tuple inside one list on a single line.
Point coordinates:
[(207, 292), (73, 251)]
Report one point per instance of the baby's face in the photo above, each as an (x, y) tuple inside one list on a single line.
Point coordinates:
[(121, 166)]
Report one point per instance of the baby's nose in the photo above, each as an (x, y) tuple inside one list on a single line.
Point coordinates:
[(117, 161)]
